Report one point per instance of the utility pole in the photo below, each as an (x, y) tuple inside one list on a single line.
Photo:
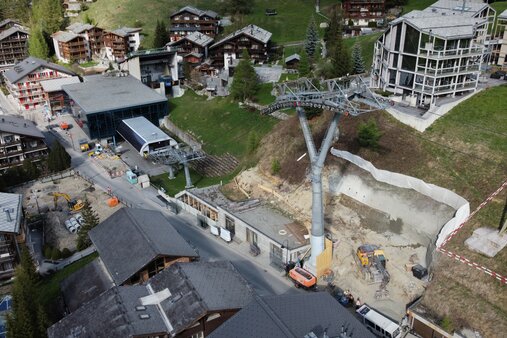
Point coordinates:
[(503, 220)]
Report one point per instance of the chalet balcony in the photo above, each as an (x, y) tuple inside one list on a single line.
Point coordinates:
[(451, 53), (448, 71)]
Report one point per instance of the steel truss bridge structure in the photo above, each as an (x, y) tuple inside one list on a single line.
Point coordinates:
[(173, 157), (342, 96)]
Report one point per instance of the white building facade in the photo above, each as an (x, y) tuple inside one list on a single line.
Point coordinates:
[(433, 53)]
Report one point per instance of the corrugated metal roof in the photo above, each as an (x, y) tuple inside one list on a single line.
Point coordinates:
[(10, 212), (195, 37), (146, 130), (100, 93), (292, 57), (54, 85)]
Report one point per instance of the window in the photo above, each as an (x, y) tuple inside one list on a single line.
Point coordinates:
[(230, 224), (198, 335), (411, 40), (251, 236)]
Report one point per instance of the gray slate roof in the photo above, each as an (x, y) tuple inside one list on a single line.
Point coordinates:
[(79, 27), (125, 31), (292, 315), (19, 126), (199, 288), (456, 6), (195, 37), (29, 65), (8, 32), (64, 36), (252, 31), (101, 93), (194, 289), (111, 315), (503, 15), (196, 11), (131, 238), (85, 284), (292, 57), (7, 21), (10, 212)]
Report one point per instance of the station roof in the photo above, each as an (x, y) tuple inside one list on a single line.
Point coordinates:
[(100, 93), (146, 130)]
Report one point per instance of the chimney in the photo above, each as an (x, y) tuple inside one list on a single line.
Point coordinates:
[(8, 215)]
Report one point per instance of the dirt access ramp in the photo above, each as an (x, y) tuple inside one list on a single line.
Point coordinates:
[(40, 193)]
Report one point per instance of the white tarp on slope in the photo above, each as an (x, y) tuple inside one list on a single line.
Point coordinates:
[(403, 181)]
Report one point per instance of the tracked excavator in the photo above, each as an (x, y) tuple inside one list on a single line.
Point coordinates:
[(74, 205)]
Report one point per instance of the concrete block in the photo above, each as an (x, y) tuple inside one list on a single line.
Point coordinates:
[(486, 241)]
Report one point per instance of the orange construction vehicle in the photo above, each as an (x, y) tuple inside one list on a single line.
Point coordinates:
[(64, 125), (303, 278)]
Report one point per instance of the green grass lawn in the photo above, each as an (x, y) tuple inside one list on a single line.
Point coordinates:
[(289, 25), (417, 4), (264, 96), (220, 124), (49, 288), (88, 64)]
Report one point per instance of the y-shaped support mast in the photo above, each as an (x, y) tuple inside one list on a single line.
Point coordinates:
[(317, 163)]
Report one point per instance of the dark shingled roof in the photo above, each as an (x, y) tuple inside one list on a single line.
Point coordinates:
[(29, 65), (131, 238), (185, 291), (111, 315), (196, 11), (85, 284), (292, 315)]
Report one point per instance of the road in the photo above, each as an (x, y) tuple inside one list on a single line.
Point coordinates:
[(265, 280)]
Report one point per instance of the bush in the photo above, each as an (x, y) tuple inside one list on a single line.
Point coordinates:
[(372, 24), (48, 251), (447, 324), (66, 253), (56, 254), (369, 134), (275, 166)]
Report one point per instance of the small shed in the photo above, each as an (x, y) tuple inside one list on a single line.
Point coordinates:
[(292, 61)]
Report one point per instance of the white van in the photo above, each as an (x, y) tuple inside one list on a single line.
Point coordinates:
[(380, 325)]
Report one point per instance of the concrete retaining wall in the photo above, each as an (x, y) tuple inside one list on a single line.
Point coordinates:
[(180, 134)]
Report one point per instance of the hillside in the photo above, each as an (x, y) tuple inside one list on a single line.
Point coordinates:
[(289, 25), (465, 151)]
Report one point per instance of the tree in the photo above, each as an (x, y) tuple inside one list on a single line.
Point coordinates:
[(304, 65), (90, 221), (369, 134), (161, 38), (26, 261), (357, 60), (245, 83), (275, 166), (335, 46), (58, 158), (15, 9), (312, 38), (30, 169), (37, 45), (48, 15), (89, 20)]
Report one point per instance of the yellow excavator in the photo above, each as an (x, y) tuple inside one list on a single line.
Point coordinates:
[(74, 205)]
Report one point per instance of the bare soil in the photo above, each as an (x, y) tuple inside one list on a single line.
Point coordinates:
[(55, 232)]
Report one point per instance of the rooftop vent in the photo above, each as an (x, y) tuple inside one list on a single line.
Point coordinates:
[(144, 316), (140, 308), (8, 215)]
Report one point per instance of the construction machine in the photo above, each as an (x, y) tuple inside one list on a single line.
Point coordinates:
[(372, 262), (74, 205)]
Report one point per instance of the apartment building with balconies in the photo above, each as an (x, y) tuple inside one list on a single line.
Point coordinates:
[(20, 141), (12, 232), (256, 40), (91, 33), (70, 47), (362, 12), (190, 19), (499, 50), (13, 43), (120, 42), (437, 52), (23, 81)]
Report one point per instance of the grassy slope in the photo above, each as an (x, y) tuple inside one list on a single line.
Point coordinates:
[(289, 25), (366, 42)]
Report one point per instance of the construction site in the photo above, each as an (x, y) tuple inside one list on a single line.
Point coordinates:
[(60, 200)]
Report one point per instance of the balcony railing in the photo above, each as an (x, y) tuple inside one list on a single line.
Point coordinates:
[(447, 71), (474, 50), (449, 88)]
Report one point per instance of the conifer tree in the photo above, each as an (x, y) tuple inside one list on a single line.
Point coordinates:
[(312, 38), (91, 219), (37, 45), (161, 36), (304, 65), (15, 9), (357, 60), (48, 15), (246, 82), (58, 158)]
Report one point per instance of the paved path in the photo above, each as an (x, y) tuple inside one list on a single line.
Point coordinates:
[(265, 279)]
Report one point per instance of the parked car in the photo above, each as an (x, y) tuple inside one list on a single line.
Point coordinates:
[(498, 74)]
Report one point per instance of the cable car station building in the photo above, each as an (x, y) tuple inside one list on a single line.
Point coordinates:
[(101, 102)]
